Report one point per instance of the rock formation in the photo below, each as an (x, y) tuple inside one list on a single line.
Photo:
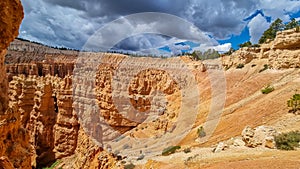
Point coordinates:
[(259, 136), (11, 16), (43, 90), (45, 106), (283, 52), (15, 148), (34, 59)]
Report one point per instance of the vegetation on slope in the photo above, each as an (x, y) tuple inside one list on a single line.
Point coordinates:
[(288, 141), (170, 150), (294, 103), (276, 26), (209, 54), (268, 89)]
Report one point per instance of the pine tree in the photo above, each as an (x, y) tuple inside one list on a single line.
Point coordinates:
[(294, 103), (270, 33), (292, 24), (246, 44)]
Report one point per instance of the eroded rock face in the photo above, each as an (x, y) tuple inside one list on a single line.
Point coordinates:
[(45, 106), (34, 59), (44, 98), (3, 84), (289, 39), (14, 151), (67, 126), (5, 163), (49, 100), (259, 136), (242, 56), (11, 16), (281, 53)]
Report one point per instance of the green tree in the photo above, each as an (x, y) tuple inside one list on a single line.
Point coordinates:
[(270, 33), (246, 44), (209, 54), (231, 50), (292, 24), (294, 103)]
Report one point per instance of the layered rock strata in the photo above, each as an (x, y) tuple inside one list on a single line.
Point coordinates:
[(281, 53)]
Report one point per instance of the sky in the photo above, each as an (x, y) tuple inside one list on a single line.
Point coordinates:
[(190, 24)]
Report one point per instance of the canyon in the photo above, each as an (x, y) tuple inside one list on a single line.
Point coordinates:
[(104, 110)]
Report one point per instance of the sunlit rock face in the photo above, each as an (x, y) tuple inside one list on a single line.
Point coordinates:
[(14, 152), (282, 53), (11, 15)]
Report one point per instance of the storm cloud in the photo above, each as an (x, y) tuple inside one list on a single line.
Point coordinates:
[(71, 23)]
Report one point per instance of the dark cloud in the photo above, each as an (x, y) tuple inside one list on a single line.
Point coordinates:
[(70, 23), (219, 17), (79, 5), (142, 42)]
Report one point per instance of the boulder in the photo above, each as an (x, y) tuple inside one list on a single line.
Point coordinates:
[(259, 136), (220, 147)]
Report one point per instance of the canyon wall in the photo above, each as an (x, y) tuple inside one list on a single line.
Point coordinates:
[(52, 98), (45, 106), (14, 146), (11, 16)]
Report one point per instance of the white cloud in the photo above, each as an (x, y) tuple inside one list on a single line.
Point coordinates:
[(223, 48), (220, 48), (141, 23), (256, 28), (279, 8)]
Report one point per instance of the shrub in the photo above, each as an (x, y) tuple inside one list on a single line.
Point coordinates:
[(294, 103), (246, 44), (267, 90), (288, 141), (255, 45), (240, 66), (200, 131), (209, 54), (129, 166), (170, 150)]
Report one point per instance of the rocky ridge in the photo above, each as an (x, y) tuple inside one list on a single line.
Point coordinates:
[(282, 53)]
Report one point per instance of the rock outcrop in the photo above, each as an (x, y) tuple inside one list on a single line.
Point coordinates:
[(45, 106), (11, 16), (52, 104), (14, 145), (67, 126), (34, 59), (259, 136), (281, 53), (288, 39)]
